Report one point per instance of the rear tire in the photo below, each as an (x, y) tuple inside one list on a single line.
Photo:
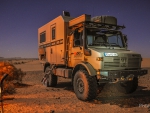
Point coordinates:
[(128, 87), (85, 86), (49, 80)]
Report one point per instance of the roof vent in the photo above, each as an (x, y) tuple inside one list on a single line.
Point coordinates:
[(65, 13)]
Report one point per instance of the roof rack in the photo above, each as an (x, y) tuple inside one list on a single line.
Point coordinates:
[(89, 24), (103, 25)]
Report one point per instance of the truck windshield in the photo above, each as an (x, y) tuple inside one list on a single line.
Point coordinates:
[(104, 38)]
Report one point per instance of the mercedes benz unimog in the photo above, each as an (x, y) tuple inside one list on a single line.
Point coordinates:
[(89, 51)]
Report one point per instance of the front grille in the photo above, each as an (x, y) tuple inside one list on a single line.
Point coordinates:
[(111, 64), (116, 59), (133, 62), (121, 62)]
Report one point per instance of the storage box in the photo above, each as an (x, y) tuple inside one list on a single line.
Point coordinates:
[(79, 19)]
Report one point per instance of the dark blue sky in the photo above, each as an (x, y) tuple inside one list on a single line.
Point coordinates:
[(20, 20)]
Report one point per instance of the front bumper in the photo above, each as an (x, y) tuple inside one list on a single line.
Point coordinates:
[(122, 75)]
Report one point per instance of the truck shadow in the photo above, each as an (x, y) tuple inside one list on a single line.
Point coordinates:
[(65, 85), (140, 97), (110, 95)]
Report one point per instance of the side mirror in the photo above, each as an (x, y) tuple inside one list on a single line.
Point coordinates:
[(125, 40)]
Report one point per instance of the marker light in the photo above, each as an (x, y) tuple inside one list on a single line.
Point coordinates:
[(110, 54)]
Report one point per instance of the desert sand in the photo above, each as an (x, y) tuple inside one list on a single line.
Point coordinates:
[(33, 97)]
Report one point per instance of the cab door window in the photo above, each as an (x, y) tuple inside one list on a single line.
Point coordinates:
[(78, 39)]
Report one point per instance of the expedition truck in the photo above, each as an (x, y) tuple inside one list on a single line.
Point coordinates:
[(89, 51)]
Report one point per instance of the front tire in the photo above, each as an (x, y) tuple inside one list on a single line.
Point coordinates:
[(49, 80), (85, 86), (128, 87)]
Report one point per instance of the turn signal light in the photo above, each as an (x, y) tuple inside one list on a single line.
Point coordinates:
[(99, 58)]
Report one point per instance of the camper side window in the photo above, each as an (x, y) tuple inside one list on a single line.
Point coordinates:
[(53, 33), (42, 37)]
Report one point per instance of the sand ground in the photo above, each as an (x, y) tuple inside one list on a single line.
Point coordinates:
[(33, 97)]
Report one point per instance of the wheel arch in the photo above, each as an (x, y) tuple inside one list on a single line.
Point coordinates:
[(85, 66)]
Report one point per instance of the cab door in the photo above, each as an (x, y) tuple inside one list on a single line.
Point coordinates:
[(76, 49)]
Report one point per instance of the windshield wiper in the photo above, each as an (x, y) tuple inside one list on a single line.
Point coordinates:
[(100, 43), (115, 44)]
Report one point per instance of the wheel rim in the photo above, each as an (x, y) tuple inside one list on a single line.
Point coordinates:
[(80, 85)]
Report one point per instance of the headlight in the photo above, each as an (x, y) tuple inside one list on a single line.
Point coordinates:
[(110, 54)]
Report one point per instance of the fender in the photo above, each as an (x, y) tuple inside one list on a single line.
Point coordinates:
[(87, 66)]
